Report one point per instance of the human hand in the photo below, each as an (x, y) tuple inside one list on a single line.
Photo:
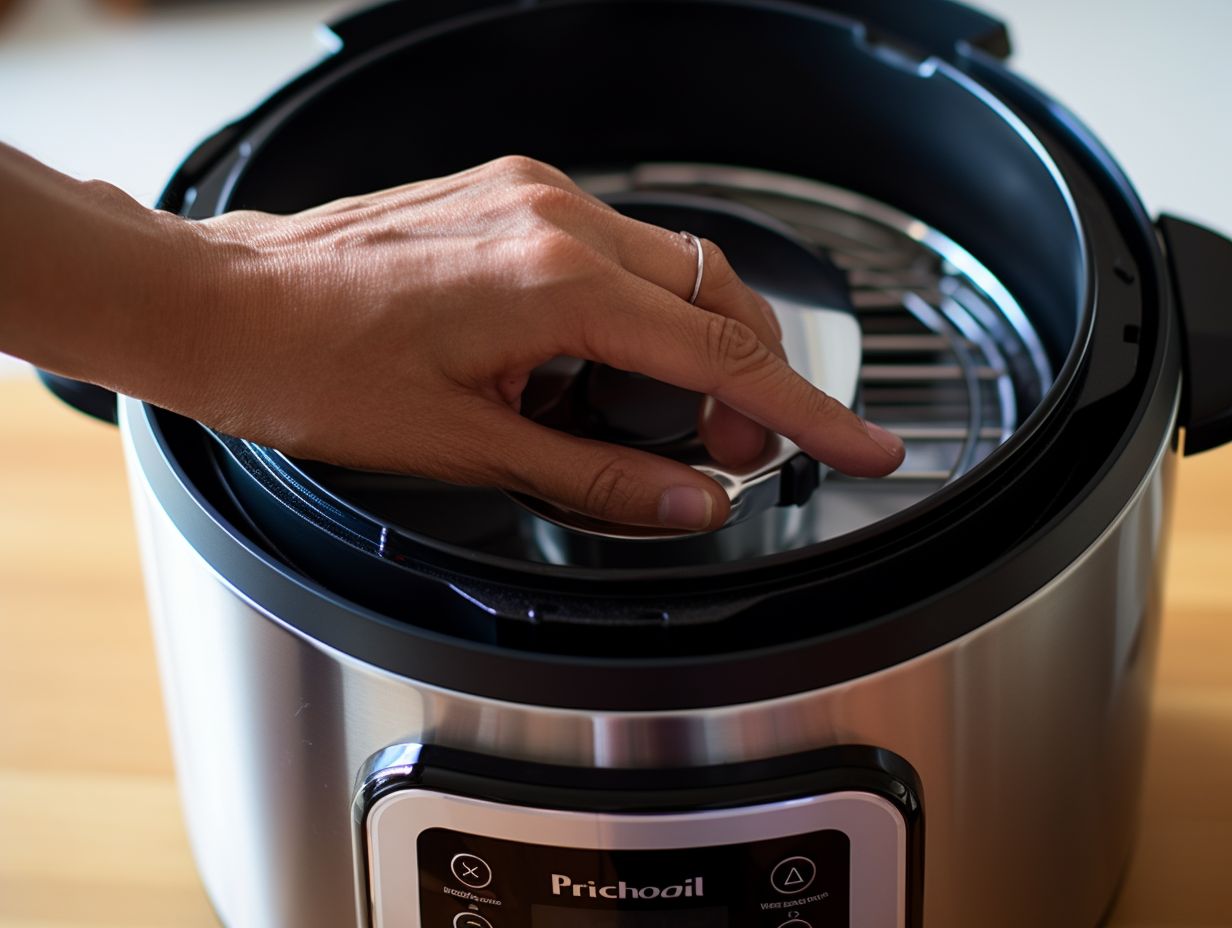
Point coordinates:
[(396, 332)]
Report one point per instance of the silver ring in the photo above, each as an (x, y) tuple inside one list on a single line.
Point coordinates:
[(701, 265)]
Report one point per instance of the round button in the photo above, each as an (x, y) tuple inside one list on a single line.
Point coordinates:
[(796, 923), (793, 875), (471, 871), (471, 920)]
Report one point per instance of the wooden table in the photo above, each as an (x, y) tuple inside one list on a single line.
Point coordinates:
[(90, 830)]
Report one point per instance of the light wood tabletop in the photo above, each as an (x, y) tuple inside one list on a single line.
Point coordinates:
[(90, 830)]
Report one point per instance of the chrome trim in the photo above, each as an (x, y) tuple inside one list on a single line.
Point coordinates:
[(396, 762)]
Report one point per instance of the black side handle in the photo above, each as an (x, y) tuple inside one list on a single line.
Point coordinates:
[(1201, 265), (84, 397)]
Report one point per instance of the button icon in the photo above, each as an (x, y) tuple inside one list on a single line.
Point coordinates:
[(796, 923), (471, 920), (792, 876), (471, 871)]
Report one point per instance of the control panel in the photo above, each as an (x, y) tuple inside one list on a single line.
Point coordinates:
[(436, 859)]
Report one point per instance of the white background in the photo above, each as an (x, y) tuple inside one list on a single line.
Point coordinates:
[(125, 98)]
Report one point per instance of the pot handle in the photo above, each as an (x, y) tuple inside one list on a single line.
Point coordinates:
[(95, 401), (1200, 262)]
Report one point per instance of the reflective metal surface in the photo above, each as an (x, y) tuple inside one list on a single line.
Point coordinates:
[(1027, 734)]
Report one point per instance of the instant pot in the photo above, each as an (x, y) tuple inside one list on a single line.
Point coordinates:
[(915, 701)]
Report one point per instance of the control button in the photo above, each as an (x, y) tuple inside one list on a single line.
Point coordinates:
[(796, 923), (471, 920), (470, 870), (793, 875)]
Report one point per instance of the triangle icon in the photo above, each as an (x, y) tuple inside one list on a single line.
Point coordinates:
[(793, 878)]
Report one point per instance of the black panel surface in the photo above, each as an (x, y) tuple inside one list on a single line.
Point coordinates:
[(519, 885)]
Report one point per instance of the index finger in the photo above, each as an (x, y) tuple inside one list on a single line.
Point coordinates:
[(696, 270), (637, 326)]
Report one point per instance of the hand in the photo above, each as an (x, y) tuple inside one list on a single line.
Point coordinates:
[(396, 332)]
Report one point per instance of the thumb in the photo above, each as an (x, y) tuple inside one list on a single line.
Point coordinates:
[(604, 481)]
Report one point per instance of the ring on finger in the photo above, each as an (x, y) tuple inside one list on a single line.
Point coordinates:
[(701, 265)]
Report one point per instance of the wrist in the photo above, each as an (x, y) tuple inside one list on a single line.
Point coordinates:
[(150, 303), (85, 268)]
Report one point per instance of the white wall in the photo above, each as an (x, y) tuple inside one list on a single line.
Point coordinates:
[(1152, 78)]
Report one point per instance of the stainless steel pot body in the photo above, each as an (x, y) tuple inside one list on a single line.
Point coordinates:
[(1028, 734)]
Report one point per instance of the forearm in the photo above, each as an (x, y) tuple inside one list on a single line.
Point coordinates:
[(90, 280)]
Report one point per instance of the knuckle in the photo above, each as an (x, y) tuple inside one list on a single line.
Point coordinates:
[(556, 254), (516, 166), (609, 489), (548, 200), (528, 170), (732, 347)]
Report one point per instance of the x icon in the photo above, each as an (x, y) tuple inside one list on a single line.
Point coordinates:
[(471, 870)]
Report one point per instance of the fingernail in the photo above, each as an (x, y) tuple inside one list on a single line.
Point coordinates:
[(685, 507), (890, 443)]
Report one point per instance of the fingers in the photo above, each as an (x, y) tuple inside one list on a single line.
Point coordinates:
[(637, 326), (607, 482), (731, 353), (670, 260), (667, 259), (727, 347)]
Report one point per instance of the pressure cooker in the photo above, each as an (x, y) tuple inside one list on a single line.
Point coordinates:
[(913, 701)]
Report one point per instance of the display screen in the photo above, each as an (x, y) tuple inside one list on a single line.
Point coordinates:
[(551, 916), (473, 881)]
